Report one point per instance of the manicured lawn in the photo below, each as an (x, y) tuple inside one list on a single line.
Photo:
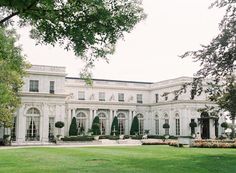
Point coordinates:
[(143, 159)]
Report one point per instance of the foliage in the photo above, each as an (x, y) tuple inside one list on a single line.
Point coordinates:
[(224, 125), (217, 61), (114, 126), (166, 126), (192, 124), (134, 126), (12, 71), (59, 124), (90, 28), (73, 131), (96, 126), (78, 138)]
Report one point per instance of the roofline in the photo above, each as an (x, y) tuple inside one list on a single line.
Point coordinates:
[(109, 80)]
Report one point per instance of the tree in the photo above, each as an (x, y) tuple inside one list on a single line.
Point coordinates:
[(12, 71), (96, 126), (73, 131), (90, 28), (192, 125), (134, 126), (59, 125), (217, 59), (114, 126), (226, 100)]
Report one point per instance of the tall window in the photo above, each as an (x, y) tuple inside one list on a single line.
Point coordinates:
[(102, 120), (81, 122), (81, 95), (177, 125), (101, 96), (157, 97), (121, 97), (121, 123), (167, 129), (139, 98), (141, 123), (51, 128), (32, 125), (157, 127), (34, 86), (52, 87)]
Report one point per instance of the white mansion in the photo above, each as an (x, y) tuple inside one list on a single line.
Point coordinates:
[(49, 96)]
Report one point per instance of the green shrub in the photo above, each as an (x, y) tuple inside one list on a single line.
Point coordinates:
[(73, 131), (114, 126), (166, 126), (96, 126), (134, 126), (224, 125), (59, 124), (78, 138)]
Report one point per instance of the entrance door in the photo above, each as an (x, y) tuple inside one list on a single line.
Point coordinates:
[(205, 129)]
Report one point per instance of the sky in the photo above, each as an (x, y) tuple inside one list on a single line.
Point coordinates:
[(151, 51)]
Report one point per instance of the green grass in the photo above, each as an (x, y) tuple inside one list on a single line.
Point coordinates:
[(141, 159)]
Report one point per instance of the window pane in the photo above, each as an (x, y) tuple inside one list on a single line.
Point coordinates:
[(51, 89), (139, 98), (121, 97), (177, 126), (81, 95), (34, 86), (101, 96)]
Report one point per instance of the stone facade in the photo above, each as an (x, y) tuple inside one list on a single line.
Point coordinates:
[(49, 96)]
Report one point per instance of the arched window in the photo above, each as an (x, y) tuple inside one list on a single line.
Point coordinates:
[(102, 119), (121, 123), (141, 123), (32, 124), (81, 119), (157, 126), (166, 122), (177, 124)]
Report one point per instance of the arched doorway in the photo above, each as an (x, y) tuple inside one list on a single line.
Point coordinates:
[(81, 122), (32, 124), (121, 123), (205, 125), (141, 123), (102, 120)]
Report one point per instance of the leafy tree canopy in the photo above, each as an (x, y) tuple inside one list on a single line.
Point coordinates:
[(88, 27), (217, 59), (12, 70)]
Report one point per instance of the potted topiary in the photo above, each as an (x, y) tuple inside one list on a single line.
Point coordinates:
[(96, 128), (224, 125), (59, 125), (192, 125), (166, 126)]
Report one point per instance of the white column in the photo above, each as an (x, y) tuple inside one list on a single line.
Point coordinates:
[(95, 113), (45, 123), (90, 118), (130, 119), (110, 121), (212, 128), (20, 126)]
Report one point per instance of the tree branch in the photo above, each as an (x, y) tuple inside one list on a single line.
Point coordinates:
[(8, 17), (17, 12)]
